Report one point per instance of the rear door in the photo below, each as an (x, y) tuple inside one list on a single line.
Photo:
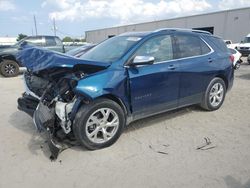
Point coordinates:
[(194, 56), (154, 88)]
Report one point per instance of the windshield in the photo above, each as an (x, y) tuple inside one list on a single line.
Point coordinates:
[(110, 50), (246, 40), (75, 51)]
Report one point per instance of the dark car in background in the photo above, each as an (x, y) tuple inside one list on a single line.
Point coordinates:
[(9, 66), (125, 78)]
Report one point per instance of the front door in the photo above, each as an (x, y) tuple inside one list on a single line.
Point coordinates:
[(154, 88)]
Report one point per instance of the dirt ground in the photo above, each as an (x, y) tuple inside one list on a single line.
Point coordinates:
[(155, 152)]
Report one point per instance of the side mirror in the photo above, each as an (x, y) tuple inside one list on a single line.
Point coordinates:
[(143, 60)]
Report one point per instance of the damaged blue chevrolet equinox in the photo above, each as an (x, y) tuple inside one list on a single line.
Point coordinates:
[(125, 78)]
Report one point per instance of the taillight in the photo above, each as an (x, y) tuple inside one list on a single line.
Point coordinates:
[(231, 57)]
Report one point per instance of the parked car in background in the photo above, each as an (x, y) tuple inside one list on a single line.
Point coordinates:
[(230, 44), (79, 51), (237, 58), (9, 66), (244, 46), (123, 79), (248, 59)]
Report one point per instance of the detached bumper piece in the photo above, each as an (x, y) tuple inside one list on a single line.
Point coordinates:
[(27, 104), (58, 141), (44, 120)]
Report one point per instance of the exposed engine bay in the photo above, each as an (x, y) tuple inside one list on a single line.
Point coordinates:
[(52, 103)]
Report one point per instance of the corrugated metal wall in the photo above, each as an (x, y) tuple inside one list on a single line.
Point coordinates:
[(231, 24)]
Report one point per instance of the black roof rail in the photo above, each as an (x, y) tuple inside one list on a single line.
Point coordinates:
[(183, 29)]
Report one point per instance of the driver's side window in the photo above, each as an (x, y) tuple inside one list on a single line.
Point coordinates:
[(159, 47)]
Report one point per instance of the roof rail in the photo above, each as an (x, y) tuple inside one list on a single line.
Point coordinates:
[(183, 29)]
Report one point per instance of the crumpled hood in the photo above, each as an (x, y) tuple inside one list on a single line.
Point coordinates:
[(37, 59)]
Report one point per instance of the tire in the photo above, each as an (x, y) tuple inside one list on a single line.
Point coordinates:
[(90, 134), (9, 68), (213, 100)]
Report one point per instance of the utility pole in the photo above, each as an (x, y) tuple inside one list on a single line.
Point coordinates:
[(35, 24), (54, 26)]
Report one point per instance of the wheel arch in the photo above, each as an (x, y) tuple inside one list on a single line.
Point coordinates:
[(117, 100), (224, 78), (9, 57)]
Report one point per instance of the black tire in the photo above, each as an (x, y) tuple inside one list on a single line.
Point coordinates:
[(206, 102), (9, 68), (82, 116)]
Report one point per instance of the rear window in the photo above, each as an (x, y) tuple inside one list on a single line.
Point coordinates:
[(189, 46)]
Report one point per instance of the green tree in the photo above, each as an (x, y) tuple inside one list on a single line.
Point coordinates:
[(67, 39), (21, 36)]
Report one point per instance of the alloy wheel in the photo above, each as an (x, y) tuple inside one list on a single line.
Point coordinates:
[(216, 94), (102, 125), (9, 69)]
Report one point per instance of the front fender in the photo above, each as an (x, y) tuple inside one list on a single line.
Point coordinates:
[(107, 82)]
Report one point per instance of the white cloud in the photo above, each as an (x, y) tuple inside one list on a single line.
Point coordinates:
[(232, 4), (6, 5), (128, 11)]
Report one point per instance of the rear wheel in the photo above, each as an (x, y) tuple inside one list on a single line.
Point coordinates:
[(99, 124), (9, 68), (215, 95)]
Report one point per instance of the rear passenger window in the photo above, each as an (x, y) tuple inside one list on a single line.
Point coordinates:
[(189, 46), (50, 41)]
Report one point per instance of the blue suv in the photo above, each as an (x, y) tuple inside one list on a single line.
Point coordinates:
[(123, 79)]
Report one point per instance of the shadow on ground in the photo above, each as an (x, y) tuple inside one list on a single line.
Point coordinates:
[(244, 76), (152, 120), (233, 183), (37, 142)]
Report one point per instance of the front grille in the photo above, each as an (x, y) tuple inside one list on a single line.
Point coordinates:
[(244, 48)]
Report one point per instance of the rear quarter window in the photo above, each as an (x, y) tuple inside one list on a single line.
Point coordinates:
[(190, 46), (219, 44)]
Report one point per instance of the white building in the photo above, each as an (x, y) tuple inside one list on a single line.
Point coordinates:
[(230, 24), (7, 40)]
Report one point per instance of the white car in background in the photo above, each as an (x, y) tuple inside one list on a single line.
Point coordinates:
[(244, 46), (237, 57), (230, 44)]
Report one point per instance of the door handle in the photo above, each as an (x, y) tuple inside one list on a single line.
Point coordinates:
[(210, 60), (171, 67)]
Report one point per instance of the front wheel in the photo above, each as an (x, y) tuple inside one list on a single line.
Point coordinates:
[(99, 124), (9, 68), (215, 95)]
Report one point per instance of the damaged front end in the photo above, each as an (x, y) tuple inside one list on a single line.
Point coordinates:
[(50, 97)]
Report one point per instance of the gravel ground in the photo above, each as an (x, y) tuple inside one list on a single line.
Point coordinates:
[(155, 152)]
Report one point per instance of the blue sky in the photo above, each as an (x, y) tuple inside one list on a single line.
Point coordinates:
[(73, 17)]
